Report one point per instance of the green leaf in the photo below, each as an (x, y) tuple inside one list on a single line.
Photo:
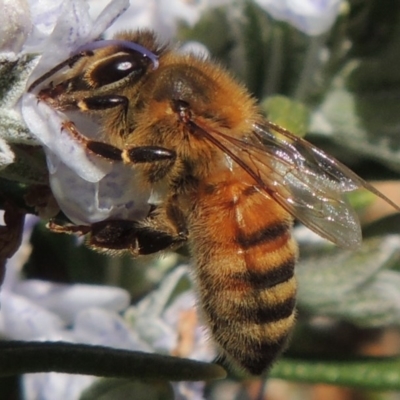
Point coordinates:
[(365, 373), (290, 114), (360, 199), (360, 111)]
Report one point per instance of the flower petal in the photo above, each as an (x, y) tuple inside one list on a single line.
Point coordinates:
[(24, 320), (98, 326), (15, 25), (69, 300), (88, 188), (312, 17), (45, 123), (55, 386), (116, 195)]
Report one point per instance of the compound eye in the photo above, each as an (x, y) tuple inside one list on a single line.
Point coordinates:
[(119, 66)]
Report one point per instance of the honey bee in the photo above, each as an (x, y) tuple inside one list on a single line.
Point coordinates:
[(229, 182)]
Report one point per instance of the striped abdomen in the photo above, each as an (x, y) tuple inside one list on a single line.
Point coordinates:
[(245, 260)]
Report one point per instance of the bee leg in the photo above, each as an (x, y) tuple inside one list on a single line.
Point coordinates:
[(163, 229), (94, 103), (165, 225), (79, 230), (105, 102), (147, 154), (133, 155), (128, 235), (139, 238)]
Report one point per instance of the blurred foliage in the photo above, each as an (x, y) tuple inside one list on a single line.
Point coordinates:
[(292, 115), (366, 373), (344, 88)]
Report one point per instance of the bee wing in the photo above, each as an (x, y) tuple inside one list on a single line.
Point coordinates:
[(308, 183), (303, 179)]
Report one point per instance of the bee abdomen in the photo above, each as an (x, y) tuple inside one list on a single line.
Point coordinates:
[(252, 324), (245, 270)]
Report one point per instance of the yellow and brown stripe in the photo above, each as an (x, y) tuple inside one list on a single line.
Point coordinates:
[(245, 260)]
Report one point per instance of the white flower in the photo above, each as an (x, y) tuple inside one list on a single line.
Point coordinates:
[(55, 386), (34, 309), (38, 310), (156, 318), (15, 24), (162, 16), (312, 17), (87, 188), (62, 26), (44, 14), (174, 327)]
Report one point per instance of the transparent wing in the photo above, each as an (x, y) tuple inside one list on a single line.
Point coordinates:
[(309, 184), (303, 179)]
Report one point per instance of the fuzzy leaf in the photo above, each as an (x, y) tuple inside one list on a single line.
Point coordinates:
[(351, 285), (14, 73), (374, 304), (23, 164)]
